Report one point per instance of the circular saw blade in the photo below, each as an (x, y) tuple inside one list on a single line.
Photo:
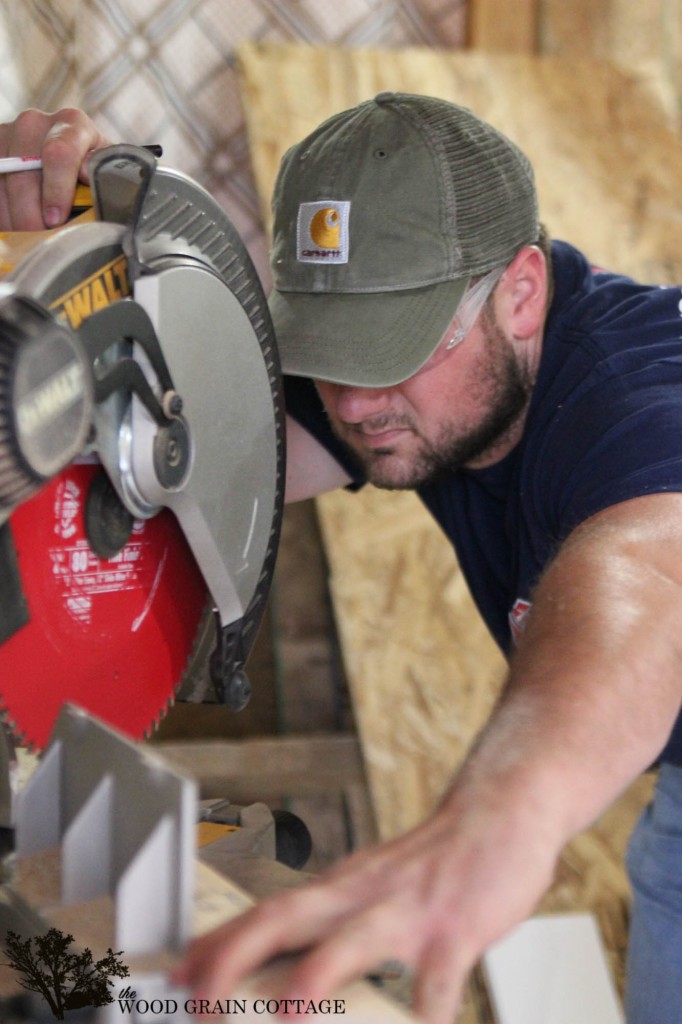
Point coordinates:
[(112, 636)]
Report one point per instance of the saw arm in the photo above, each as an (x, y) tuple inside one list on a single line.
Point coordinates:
[(141, 449)]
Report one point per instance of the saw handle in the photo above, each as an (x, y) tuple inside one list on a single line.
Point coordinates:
[(83, 199)]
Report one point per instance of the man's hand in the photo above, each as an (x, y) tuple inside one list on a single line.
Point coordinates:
[(33, 200), (432, 899)]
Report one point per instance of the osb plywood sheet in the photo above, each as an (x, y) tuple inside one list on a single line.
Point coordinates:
[(644, 37), (422, 668)]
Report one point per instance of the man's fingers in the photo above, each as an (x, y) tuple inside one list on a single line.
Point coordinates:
[(65, 153), (342, 952), (343, 928), (216, 962), (23, 201), (32, 200), (356, 948), (366, 941), (439, 983)]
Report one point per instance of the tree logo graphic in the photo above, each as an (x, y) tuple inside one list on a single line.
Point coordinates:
[(66, 980)]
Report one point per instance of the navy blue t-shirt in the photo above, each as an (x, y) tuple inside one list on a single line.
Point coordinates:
[(604, 425)]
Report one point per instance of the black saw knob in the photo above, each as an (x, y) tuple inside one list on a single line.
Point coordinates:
[(46, 398)]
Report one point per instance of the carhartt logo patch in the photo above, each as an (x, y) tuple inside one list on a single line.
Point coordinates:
[(322, 233)]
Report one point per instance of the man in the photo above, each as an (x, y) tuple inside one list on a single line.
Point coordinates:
[(437, 342)]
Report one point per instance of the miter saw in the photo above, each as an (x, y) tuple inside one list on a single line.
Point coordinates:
[(142, 453)]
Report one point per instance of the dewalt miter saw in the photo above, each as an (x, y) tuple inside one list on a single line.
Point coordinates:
[(142, 452)]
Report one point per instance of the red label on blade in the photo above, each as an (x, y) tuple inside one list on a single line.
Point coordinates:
[(112, 636)]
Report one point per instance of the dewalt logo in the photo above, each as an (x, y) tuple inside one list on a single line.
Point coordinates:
[(106, 285)]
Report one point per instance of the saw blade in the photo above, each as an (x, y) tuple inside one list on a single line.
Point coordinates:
[(112, 636)]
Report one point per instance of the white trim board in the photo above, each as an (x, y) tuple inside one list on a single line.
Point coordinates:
[(552, 970)]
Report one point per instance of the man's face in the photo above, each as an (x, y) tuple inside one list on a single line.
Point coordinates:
[(464, 408)]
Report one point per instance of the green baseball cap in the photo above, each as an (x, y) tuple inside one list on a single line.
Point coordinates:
[(381, 218)]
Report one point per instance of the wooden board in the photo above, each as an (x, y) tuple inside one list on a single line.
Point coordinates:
[(268, 767), (422, 668)]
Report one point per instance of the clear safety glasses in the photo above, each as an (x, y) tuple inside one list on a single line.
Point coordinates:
[(473, 301)]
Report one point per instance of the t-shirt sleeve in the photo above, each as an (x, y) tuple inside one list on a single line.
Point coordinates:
[(621, 440)]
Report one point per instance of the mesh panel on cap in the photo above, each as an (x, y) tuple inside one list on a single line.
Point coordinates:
[(488, 181)]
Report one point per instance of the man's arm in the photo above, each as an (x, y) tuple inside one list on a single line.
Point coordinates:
[(592, 695), (311, 470)]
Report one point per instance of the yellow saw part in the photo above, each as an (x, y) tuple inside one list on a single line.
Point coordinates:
[(211, 831)]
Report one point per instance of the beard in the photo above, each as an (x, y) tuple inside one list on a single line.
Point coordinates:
[(505, 386)]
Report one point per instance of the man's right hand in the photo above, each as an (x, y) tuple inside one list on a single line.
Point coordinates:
[(34, 200)]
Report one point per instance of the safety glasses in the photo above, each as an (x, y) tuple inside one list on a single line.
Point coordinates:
[(473, 301)]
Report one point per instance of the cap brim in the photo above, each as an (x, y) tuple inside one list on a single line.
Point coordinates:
[(370, 340)]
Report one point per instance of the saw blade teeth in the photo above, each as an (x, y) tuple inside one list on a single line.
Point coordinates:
[(18, 736), (162, 713), (154, 725)]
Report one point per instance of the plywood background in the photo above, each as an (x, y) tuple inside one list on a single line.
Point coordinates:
[(422, 669), (607, 162), (645, 38)]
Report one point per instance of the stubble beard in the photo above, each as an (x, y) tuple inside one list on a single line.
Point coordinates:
[(507, 386)]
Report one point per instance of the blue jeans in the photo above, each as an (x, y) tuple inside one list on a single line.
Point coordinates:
[(654, 985)]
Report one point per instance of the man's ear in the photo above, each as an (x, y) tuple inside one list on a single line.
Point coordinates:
[(521, 298)]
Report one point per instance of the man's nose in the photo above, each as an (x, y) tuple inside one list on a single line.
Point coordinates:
[(355, 404)]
